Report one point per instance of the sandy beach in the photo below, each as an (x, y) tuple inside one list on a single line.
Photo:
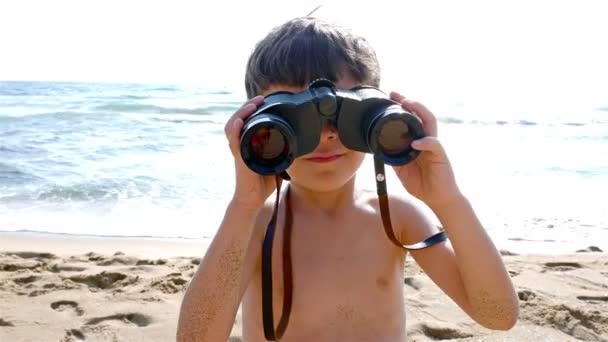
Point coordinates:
[(66, 288)]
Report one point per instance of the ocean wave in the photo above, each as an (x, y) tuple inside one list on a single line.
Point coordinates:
[(146, 108), (134, 97), (516, 122), (109, 97), (186, 120), (450, 120), (102, 190), (32, 149), (598, 171), (52, 114), (500, 122), (219, 92), (167, 88), (40, 88), (10, 174)]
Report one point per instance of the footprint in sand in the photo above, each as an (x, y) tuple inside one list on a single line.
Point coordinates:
[(513, 273), (437, 332), (118, 260), (561, 266), (73, 335), (34, 255), (27, 283), (32, 265), (151, 262), (104, 280), (4, 323), (526, 295), (413, 282), (593, 299), (582, 323), (169, 284), (505, 252), (64, 267), (131, 318), (589, 249), (26, 280), (92, 256), (64, 305)]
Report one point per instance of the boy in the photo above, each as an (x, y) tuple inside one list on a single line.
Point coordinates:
[(347, 275)]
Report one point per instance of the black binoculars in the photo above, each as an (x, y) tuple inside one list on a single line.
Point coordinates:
[(288, 125)]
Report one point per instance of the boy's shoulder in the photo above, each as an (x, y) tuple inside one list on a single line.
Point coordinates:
[(263, 218), (411, 220)]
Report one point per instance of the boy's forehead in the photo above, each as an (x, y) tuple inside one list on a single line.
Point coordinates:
[(346, 82)]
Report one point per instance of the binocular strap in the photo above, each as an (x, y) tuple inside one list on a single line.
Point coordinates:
[(386, 215), (267, 309)]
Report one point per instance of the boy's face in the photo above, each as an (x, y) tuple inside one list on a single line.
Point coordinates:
[(330, 165)]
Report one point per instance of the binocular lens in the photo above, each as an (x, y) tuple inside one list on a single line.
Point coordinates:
[(391, 134), (268, 144), (394, 136)]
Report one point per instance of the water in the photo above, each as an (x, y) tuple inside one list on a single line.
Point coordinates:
[(151, 160)]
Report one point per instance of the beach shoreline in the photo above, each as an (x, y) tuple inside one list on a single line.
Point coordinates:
[(57, 287)]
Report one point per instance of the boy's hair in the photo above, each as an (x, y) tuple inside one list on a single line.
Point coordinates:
[(304, 49)]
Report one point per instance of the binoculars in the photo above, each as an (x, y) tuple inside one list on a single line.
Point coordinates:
[(288, 125)]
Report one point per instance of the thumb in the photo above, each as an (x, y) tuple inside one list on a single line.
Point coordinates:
[(428, 143)]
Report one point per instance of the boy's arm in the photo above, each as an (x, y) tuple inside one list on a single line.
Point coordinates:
[(471, 270), (468, 268), (213, 296)]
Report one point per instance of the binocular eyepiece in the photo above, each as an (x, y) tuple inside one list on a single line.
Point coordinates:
[(288, 125)]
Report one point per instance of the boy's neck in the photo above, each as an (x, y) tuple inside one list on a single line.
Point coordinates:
[(329, 203)]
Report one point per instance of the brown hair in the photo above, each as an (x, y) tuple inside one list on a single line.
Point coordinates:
[(304, 49)]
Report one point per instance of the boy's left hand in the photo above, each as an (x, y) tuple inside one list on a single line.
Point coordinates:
[(429, 177)]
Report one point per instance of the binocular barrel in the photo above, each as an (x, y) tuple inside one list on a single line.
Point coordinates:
[(288, 126)]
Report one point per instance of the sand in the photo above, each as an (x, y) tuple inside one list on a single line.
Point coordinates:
[(64, 288)]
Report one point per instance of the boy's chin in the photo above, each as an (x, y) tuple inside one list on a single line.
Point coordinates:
[(322, 184)]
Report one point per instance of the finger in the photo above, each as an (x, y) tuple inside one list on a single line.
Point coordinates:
[(257, 101), (426, 116), (429, 121), (234, 138), (245, 111), (429, 143), (397, 97)]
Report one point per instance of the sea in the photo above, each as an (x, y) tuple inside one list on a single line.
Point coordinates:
[(151, 161)]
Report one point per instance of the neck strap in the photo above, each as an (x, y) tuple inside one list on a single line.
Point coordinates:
[(267, 310)]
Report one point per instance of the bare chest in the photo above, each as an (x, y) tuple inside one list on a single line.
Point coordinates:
[(347, 279)]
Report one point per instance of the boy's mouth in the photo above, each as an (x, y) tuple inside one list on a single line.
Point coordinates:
[(324, 157)]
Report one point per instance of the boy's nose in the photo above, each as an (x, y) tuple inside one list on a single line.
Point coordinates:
[(329, 131)]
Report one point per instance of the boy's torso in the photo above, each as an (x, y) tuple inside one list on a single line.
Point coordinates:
[(347, 280)]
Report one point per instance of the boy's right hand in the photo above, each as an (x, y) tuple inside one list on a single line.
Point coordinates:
[(252, 189)]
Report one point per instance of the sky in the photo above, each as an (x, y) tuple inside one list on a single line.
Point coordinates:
[(494, 50)]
